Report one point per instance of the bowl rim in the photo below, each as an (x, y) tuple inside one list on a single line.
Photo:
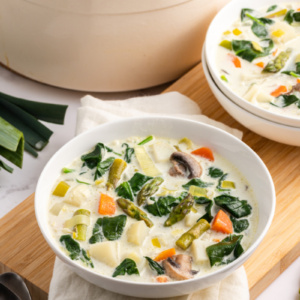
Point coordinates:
[(211, 63), (233, 265)]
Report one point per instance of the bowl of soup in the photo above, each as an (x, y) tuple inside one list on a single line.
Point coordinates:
[(253, 55), (154, 207)]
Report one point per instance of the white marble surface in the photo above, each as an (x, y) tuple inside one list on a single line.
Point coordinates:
[(18, 186)]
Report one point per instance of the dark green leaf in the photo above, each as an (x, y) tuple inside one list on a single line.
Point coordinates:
[(219, 253), (124, 191), (127, 266), (146, 140), (75, 252), (137, 181), (155, 266), (196, 182), (5, 167), (237, 208), (219, 186), (93, 158), (103, 167), (109, 227), (128, 153), (209, 204), (245, 50), (271, 8), (285, 100), (289, 16), (266, 21), (296, 16), (259, 30), (215, 172), (244, 11), (83, 182), (239, 225)]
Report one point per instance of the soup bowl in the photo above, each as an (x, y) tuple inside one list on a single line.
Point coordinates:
[(223, 143)]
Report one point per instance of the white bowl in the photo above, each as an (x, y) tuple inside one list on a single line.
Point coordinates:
[(224, 19), (226, 145), (104, 46), (271, 130)]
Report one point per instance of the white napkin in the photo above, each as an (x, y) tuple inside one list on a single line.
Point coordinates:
[(66, 285)]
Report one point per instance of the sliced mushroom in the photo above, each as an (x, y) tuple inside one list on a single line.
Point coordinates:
[(179, 267), (183, 162)]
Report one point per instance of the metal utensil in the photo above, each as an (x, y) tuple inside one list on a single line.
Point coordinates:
[(13, 287)]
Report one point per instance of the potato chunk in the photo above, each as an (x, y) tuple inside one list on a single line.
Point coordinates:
[(78, 194), (106, 252), (137, 233), (198, 250), (162, 151)]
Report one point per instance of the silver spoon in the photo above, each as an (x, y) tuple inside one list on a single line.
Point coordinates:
[(13, 287)]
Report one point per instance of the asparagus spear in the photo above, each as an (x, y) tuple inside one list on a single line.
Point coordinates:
[(278, 63), (115, 172), (180, 211), (133, 211), (195, 232), (80, 229), (149, 189)]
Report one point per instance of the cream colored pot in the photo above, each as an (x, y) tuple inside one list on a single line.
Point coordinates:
[(103, 45)]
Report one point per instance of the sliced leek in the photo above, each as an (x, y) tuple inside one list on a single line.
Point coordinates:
[(226, 184), (197, 191), (61, 189), (77, 220)]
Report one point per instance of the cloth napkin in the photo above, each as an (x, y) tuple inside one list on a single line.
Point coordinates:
[(65, 284)]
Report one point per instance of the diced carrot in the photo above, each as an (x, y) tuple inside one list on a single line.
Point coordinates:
[(222, 223), (275, 52), (107, 205), (260, 64), (165, 254), (280, 90), (162, 279), (217, 240), (298, 9), (298, 80), (204, 152), (235, 60)]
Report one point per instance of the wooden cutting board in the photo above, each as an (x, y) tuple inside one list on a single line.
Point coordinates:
[(23, 249)]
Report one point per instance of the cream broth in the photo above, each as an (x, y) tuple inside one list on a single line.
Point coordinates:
[(84, 193), (252, 79)]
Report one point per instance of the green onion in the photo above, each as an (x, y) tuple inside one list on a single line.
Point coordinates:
[(146, 140), (83, 182), (67, 170), (223, 77)]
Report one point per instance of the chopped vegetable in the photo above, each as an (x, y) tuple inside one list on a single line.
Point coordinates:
[(67, 170), (155, 266), (273, 7), (218, 253), (196, 182), (280, 90), (195, 232), (137, 181), (226, 184), (165, 254), (286, 100), (204, 152), (133, 211), (197, 191), (124, 190), (278, 63), (156, 243), (61, 189), (256, 46), (127, 266), (215, 172), (107, 252), (278, 33), (186, 141), (109, 227), (222, 223), (56, 208), (162, 279), (279, 13), (180, 211), (117, 168), (260, 64), (137, 232), (205, 201), (239, 225), (81, 225), (235, 60), (236, 31), (146, 140), (107, 205), (146, 162), (128, 153), (226, 44), (289, 16), (148, 190), (224, 78)]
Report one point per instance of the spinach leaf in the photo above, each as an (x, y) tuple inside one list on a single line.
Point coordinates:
[(215, 172), (75, 252), (128, 153), (258, 27), (155, 266), (245, 50), (203, 200), (271, 8), (93, 158), (164, 205), (124, 191), (137, 181), (289, 16), (218, 253), (296, 16), (109, 227), (244, 11), (239, 225), (286, 100), (127, 266), (219, 186), (197, 182), (237, 208), (102, 167)]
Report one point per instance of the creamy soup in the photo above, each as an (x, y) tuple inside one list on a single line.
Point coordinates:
[(259, 57), (152, 209)]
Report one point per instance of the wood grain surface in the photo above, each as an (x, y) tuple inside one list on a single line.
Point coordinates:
[(24, 250)]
